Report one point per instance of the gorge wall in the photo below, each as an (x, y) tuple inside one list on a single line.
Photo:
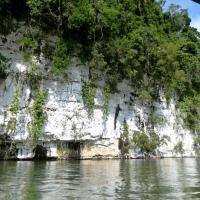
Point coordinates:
[(68, 130)]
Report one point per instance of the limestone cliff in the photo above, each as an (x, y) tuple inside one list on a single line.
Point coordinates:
[(68, 130)]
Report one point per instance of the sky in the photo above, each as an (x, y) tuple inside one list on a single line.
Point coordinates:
[(193, 10)]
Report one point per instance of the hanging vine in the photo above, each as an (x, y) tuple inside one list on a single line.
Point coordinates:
[(38, 117), (88, 95)]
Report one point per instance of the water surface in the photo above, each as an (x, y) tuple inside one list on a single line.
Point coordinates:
[(100, 179)]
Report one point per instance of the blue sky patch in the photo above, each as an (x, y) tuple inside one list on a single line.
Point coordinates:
[(193, 10)]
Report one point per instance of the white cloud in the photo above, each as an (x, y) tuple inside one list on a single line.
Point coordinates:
[(196, 23)]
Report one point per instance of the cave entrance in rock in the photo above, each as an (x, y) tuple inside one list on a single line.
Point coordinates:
[(7, 147), (74, 149)]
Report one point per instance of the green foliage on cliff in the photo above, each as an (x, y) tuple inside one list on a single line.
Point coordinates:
[(37, 114), (27, 47), (146, 144), (3, 66), (15, 102), (178, 148), (34, 77), (135, 40), (190, 107), (88, 95), (124, 141), (61, 58), (14, 109)]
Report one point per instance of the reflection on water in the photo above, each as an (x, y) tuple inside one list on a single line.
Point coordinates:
[(100, 179)]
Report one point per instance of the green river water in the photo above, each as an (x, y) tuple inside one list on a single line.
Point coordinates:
[(100, 179)]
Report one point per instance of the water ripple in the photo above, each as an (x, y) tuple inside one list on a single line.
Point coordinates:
[(103, 179)]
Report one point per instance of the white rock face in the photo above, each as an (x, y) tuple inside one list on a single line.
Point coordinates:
[(67, 120)]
